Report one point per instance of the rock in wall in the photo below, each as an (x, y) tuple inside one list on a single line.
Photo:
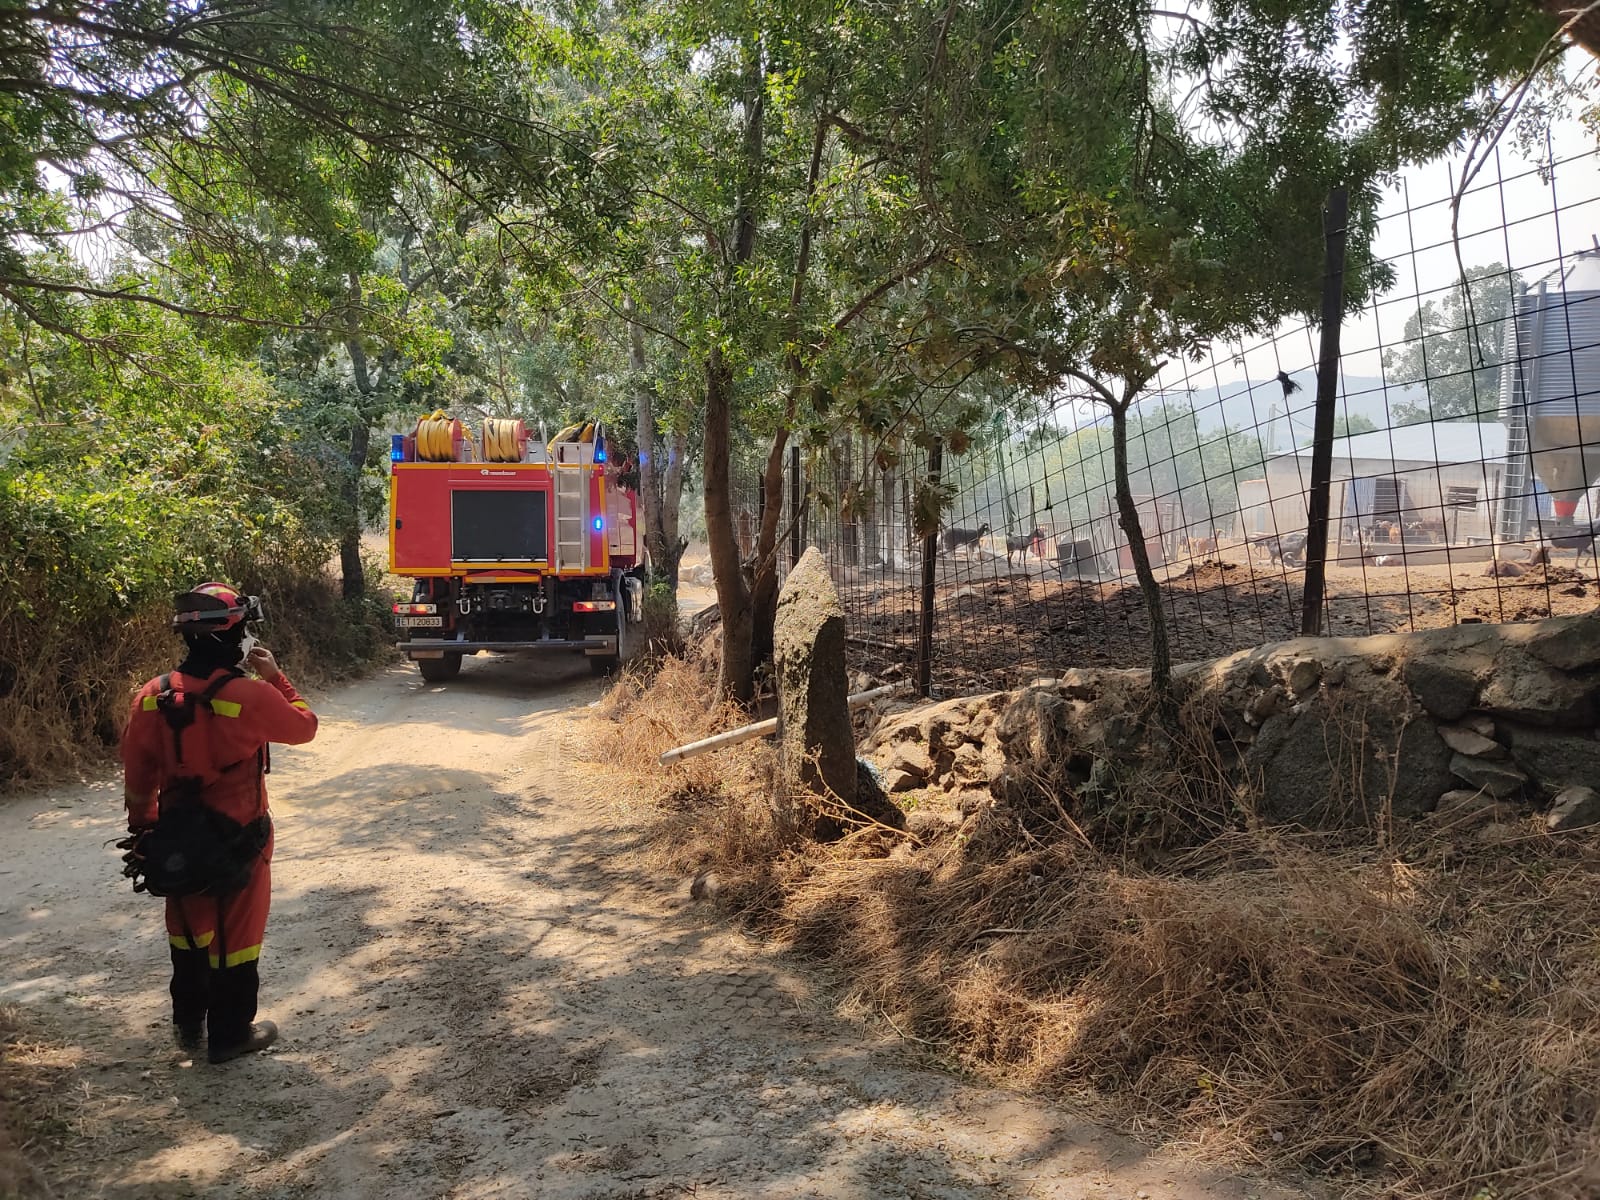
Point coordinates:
[(1316, 732)]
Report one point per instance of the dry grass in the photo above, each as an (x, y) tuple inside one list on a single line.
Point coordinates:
[(1420, 1017), (1435, 1031), (708, 812), (34, 1120)]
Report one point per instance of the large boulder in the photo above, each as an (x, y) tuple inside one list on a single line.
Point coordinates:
[(816, 744)]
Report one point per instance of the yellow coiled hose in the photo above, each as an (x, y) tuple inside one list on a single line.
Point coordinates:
[(502, 440), (436, 437)]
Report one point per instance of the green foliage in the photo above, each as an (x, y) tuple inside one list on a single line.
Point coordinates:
[(1453, 347), (120, 486), (1349, 426), (885, 222)]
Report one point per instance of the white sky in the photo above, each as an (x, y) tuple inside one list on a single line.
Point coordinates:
[(1510, 216)]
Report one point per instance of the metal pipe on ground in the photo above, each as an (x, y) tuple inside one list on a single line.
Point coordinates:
[(732, 737)]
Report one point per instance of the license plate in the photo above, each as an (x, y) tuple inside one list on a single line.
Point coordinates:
[(421, 622)]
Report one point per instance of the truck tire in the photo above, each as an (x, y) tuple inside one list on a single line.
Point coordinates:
[(608, 664), (438, 670)]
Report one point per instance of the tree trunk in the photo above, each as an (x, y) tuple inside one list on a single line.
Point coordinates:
[(766, 578), (660, 488), (1128, 518), (1585, 29), (353, 573), (845, 476), (737, 675), (764, 592), (672, 543), (871, 531)]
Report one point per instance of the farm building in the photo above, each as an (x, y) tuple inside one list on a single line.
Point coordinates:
[(1436, 482)]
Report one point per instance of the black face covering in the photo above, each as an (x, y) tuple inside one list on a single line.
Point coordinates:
[(210, 652)]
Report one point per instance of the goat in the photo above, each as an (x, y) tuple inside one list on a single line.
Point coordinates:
[(956, 538), (1022, 544), (1199, 547), (1584, 541), (1288, 549)]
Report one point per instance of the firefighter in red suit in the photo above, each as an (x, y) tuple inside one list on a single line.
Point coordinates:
[(216, 940)]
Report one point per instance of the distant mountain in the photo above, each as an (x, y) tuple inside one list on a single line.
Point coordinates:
[(1255, 406)]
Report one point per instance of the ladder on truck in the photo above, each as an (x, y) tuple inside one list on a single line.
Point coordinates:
[(571, 464), (572, 517)]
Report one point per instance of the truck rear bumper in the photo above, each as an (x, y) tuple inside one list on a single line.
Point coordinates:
[(439, 647)]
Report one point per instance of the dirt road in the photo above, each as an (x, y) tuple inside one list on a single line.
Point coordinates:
[(483, 995)]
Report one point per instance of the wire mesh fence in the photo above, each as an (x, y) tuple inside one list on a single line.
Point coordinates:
[(1463, 488)]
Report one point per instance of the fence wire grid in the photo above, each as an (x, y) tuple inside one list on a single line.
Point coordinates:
[(1464, 483)]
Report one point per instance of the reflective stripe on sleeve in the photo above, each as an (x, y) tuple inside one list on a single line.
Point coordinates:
[(148, 704), (226, 708), (300, 704)]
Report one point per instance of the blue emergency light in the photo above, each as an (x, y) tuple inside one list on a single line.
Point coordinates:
[(599, 524), (600, 454), (397, 447)]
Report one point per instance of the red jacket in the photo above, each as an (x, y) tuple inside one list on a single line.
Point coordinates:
[(221, 746)]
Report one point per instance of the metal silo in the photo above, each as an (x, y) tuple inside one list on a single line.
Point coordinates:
[(1550, 393)]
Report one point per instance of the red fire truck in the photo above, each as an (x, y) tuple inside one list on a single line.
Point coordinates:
[(515, 543)]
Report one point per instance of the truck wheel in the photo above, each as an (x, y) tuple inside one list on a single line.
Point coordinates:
[(606, 664), (438, 670)]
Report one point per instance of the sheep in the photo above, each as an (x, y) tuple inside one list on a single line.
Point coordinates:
[(956, 538), (1016, 544)]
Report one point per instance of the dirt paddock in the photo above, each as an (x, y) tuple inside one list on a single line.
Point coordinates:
[(996, 626)]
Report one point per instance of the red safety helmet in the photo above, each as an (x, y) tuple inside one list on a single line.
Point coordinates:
[(213, 607)]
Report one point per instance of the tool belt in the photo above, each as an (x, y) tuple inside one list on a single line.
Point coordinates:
[(193, 850)]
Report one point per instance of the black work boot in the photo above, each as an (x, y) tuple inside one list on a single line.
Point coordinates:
[(262, 1034), (191, 1039)]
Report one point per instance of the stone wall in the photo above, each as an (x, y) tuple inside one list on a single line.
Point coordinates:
[(1317, 732)]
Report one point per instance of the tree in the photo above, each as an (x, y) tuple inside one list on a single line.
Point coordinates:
[(1352, 424), (99, 100), (1453, 348)]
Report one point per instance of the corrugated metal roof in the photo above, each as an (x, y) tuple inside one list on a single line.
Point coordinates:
[(1436, 442)]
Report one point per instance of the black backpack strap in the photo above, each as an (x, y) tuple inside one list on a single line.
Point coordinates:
[(216, 685), (181, 715)]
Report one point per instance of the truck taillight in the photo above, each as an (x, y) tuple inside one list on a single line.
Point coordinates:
[(415, 610), (594, 606)]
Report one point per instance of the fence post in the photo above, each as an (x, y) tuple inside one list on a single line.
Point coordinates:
[(1333, 233), (794, 504), (930, 562)]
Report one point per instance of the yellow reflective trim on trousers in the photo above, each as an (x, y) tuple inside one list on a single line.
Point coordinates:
[(148, 704), (226, 708), (248, 954), (183, 943)]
